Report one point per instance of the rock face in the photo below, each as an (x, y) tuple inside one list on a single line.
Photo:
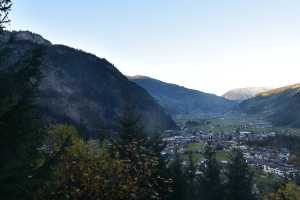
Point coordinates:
[(83, 89), (281, 106), (24, 36), (242, 94), (179, 100)]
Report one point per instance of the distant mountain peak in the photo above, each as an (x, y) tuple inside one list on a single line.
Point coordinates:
[(241, 94)]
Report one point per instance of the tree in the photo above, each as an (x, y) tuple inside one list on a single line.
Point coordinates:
[(288, 191), (5, 6), (179, 178), (240, 178), (211, 187), (192, 187), (141, 157), (162, 175), (20, 127), (84, 170)]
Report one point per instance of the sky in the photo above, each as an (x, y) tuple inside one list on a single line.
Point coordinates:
[(208, 45)]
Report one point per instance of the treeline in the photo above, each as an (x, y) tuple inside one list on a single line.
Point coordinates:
[(210, 180)]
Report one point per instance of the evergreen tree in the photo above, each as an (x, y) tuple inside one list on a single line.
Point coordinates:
[(179, 178), (5, 6), (192, 187), (141, 156), (162, 175), (211, 187), (20, 127), (240, 178)]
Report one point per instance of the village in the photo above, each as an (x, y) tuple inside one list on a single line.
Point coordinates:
[(274, 161)]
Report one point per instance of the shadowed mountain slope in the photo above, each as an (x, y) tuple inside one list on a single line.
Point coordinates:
[(81, 88), (281, 106), (180, 100)]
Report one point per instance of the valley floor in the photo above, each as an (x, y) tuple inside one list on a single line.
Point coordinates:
[(234, 131)]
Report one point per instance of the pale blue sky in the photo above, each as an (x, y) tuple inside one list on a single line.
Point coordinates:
[(211, 45)]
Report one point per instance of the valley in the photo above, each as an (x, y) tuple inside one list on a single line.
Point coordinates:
[(80, 119), (93, 94), (236, 131)]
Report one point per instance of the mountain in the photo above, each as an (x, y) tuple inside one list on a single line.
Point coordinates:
[(82, 89), (281, 106), (180, 100), (241, 94)]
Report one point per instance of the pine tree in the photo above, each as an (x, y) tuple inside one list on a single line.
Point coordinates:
[(20, 127), (162, 175), (211, 187), (5, 6), (142, 157), (192, 186), (179, 178), (240, 178)]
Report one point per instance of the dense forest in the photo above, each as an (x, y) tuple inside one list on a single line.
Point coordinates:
[(42, 160)]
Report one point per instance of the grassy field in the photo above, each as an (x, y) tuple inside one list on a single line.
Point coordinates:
[(200, 147), (231, 123)]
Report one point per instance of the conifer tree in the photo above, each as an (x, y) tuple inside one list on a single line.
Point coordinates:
[(141, 156), (20, 127), (240, 178), (5, 6), (211, 187), (192, 187), (179, 178)]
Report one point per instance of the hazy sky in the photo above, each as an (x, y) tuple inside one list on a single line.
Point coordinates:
[(209, 45)]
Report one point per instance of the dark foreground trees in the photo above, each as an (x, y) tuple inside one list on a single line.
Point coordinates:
[(84, 170), (179, 177), (240, 179), (20, 128), (127, 167), (211, 180), (211, 187)]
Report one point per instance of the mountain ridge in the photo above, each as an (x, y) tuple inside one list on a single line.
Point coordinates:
[(242, 94), (281, 106), (180, 100), (82, 89)]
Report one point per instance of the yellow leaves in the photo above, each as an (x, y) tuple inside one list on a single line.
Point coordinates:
[(94, 170), (88, 169), (289, 191), (62, 136)]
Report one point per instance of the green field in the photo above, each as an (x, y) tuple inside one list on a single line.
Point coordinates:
[(231, 123), (200, 147)]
